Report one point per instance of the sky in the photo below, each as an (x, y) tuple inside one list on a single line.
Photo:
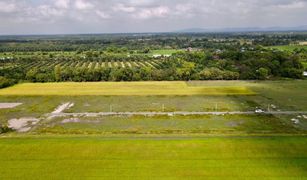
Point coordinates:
[(125, 16)]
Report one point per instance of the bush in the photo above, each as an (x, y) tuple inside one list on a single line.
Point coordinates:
[(292, 73), (4, 82), (262, 73), (217, 74), (5, 129)]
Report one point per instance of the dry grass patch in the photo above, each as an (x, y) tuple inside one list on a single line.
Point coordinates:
[(122, 89)]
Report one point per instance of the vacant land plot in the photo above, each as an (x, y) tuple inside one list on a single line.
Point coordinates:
[(275, 95), (285, 94), (192, 124), (36, 106), (121, 89), (141, 158)]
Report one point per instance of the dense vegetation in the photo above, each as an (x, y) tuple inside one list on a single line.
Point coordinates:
[(132, 57)]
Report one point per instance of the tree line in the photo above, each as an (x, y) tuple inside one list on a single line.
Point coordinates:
[(243, 63)]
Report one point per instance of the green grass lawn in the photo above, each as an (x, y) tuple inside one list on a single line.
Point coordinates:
[(153, 158)]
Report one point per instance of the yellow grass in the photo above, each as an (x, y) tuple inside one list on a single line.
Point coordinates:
[(122, 89)]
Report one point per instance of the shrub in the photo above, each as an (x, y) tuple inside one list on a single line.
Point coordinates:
[(4, 82), (5, 129)]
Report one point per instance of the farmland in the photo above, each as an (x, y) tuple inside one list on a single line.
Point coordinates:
[(93, 64), (168, 147), (184, 106)]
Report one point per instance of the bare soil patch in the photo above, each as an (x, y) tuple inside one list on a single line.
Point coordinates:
[(62, 108), (22, 124), (9, 105)]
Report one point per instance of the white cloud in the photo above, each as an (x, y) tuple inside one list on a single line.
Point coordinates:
[(141, 2), (83, 5), (294, 5), (102, 15), (48, 11), (62, 3), (7, 7), (155, 12), (123, 8), (148, 15)]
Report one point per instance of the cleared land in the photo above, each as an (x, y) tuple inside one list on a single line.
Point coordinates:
[(121, 89), (157, 158), (276, 95), (192, 124)]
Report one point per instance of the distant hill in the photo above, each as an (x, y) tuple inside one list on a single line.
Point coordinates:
[(247, 29)]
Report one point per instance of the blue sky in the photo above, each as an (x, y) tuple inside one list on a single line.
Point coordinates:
[(114, 16)]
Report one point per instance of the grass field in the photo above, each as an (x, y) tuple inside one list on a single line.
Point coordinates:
[(285, 95), (153, 158), (288, 47), (158, 147), (120, 89)]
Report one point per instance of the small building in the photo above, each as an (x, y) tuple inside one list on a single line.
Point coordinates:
[(305, 73), (157, 55)]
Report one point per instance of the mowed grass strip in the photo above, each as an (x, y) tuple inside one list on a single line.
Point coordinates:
[(153, 158), (121, 89)]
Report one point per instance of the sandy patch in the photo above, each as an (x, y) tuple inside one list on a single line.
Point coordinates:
[(22, 124), (71, 120), (9, 105), (62, 108)]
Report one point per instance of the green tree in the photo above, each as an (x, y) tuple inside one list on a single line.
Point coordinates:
[(58, 73), (31, 74), (262, 73)]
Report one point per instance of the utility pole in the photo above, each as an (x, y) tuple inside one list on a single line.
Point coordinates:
[(111, 108), (163, 107), (215, 107)]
